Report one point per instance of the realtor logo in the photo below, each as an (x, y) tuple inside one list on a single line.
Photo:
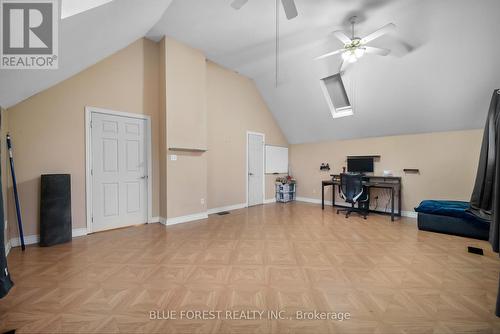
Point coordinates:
[(29, 34)]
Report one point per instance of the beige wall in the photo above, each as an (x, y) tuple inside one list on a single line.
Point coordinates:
[(234, 107), (447, 163), (151, 106), (186, 96), (204, 98), (163, 131), (186, 110), (48, 128)]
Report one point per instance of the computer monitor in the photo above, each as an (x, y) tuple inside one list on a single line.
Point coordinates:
[(360, 165)]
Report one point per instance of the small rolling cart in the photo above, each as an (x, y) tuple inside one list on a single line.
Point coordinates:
[(285, 189)]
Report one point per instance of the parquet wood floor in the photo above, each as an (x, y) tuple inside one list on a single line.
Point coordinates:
[(390, 277)]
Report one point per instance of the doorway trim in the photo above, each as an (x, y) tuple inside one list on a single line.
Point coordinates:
[(263, 165), (88, 160)]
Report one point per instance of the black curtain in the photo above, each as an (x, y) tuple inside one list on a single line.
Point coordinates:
[(485, 199), (5, 281)]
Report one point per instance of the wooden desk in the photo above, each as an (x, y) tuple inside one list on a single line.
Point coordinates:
[(393, 183)]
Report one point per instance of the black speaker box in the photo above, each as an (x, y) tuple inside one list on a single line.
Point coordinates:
[(55, 209)]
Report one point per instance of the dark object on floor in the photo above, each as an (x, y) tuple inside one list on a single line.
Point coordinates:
[(452, 225), (55, 209), (11, 332), (223, 213), (16, 196), (451, 217), (475, 250), (352, 191)]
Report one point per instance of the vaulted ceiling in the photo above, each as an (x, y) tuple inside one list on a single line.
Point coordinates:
[(444, 65)]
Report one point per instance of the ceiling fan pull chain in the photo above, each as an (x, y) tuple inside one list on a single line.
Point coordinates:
[(277, 42)]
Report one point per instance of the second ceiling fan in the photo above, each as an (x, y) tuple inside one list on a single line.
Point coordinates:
[(288, 6)]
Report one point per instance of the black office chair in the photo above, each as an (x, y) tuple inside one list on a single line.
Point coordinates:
[(352, 191)]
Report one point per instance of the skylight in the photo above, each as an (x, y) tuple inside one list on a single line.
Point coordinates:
[(336, 96), (74, 7)]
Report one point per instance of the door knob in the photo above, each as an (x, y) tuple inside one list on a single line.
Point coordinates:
[(250, 174), (144, 177)]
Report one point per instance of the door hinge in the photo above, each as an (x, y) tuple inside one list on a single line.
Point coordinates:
[(92, 219), (90, 124), (92, 172)]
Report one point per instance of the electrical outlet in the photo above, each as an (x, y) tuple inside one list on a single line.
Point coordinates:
[(202, 201), (173, 157)]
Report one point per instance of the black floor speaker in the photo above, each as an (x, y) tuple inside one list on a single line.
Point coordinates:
[(55, 209)]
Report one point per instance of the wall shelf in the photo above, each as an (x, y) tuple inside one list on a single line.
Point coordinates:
[(363, 156), (184, 149), (411, 170)]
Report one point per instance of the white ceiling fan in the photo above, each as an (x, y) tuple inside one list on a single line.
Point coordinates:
[(288, 6), (355, 47)]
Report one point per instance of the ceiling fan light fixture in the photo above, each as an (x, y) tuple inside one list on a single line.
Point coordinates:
[(359, 52), (352, 56)]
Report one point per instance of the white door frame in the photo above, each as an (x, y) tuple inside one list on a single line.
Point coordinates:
[(88, 159), (263, 165)]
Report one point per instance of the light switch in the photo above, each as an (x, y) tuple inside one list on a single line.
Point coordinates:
[(173, 157)]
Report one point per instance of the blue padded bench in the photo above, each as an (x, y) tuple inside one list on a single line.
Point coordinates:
[(451, 217)]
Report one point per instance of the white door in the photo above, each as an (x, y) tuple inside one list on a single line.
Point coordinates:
[(119, 171), (255, 162)]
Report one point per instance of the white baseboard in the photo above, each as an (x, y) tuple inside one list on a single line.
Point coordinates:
[(226, 208), (185, 219), (34, 239), (204, 215), (7, 242), (311, 200), (7, 248), (79, 232), (409, 214), (155, 220), (28, 240)]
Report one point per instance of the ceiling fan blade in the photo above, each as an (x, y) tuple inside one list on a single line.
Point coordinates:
[(290, 9), (377, 51), (342, 37), (376, 34), (237, 4), (330, 54)]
